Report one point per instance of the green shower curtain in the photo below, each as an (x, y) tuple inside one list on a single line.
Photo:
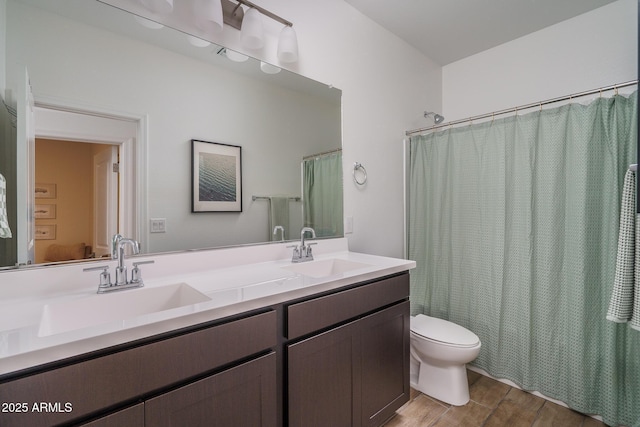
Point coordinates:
[(513, 224), (322, 194)]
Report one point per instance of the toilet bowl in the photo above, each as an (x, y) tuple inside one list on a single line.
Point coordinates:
[(439, 352)]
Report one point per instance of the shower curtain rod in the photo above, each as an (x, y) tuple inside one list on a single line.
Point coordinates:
[(324, 153), (524, 107)]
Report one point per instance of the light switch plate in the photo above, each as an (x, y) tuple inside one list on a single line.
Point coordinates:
[(158, 225)]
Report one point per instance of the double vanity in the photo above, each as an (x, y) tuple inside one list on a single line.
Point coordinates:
[(227, 337)]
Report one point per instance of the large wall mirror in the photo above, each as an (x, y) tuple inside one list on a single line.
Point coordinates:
[(108, 89)]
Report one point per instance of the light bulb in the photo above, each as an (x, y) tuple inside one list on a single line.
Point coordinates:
[(208, 15), (252, 32), (288, 45)]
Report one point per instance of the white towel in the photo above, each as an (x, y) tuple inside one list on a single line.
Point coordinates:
[(621, 306), (5, 232), (635, 317)]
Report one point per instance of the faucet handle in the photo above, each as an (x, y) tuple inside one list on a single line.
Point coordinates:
[(105, 277), (100, 267), (135, 264), (136, 275), (309, 252), (296, 252)]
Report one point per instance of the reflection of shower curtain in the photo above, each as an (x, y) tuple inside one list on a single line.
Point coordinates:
[(8, 138), (5, 231), (322, 193), (514, 226)]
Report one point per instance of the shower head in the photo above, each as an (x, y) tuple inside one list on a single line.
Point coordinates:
[(437, 118)]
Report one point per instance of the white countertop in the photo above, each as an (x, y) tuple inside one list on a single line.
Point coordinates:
[(236, 280)]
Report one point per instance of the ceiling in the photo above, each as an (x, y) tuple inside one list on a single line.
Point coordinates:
[(449, 30)]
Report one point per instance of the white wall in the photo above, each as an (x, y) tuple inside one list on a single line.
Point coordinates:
[(596, 49)]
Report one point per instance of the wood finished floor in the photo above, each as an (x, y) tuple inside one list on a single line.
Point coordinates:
[(492, 404)]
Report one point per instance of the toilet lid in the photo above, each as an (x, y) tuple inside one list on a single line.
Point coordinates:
[(443, 331)]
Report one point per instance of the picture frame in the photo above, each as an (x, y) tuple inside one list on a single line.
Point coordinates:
[(216, 171), (45, 232), (45, 191), (45, 211)]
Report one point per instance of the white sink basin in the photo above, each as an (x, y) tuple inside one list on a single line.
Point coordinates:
[(121, 305), (326, 267)]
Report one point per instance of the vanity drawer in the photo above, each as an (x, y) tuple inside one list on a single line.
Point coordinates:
[(96, 384), (319, 313)]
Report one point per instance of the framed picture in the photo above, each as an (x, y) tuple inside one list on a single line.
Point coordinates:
[(45, 211), (216, 171), (45, 191), (45, 232)]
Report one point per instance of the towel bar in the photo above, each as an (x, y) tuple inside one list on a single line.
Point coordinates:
[(254, 198), (358, 167)]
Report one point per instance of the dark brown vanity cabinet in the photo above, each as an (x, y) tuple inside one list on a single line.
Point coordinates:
[(188, 369), (340, 358), (356, 373)]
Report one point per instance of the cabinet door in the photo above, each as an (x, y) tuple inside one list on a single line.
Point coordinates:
[(322, 378), (353, 375), (384, 337), (130, 417), (241, 396)]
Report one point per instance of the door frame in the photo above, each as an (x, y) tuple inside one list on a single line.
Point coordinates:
[(25, 173), (133, 197), (105, 196)]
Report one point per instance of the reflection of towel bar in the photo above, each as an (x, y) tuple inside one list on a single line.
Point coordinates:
[(254, 198)]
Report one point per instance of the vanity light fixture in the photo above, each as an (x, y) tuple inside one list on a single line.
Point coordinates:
[(208, 15), (211, 15), (252, 31), (162, 7)]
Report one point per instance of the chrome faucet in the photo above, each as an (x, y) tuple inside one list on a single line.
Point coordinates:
[(118, 244), (275, 231), (303, 252)]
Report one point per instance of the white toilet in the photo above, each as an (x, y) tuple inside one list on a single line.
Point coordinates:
[(439, 351)]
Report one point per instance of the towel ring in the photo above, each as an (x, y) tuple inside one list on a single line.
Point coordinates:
[(358, 167)]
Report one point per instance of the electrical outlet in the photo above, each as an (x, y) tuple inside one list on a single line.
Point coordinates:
[(158, 225)]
